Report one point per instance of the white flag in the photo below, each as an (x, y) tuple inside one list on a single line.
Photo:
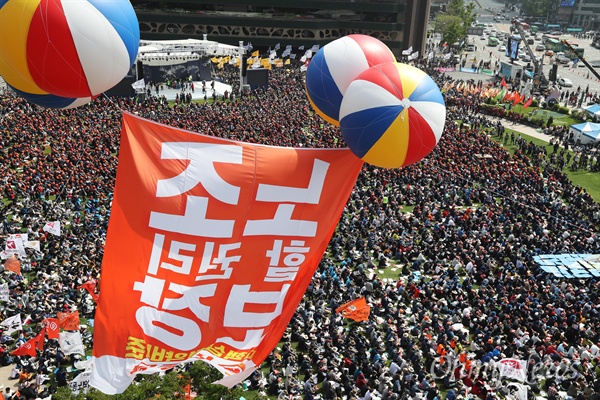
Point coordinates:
[(315, 48), (13, 324), (308, 54), (70, 343), (33, 244), (256, 64), (139, 84), (413, 56), (513, 368), (520, 390), (23, 236), (430, 55), (15, 246), (84, 364), (4, 292), (407, 52), (81, 383), (52, 227)]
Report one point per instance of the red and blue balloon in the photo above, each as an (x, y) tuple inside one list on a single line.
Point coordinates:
[(391, 114), (63, 53)]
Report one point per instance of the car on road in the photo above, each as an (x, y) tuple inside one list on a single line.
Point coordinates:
[(595, 64), (525, 57), (564, 82), (563, 60), (549, 53), (540, 47), (502, 47)]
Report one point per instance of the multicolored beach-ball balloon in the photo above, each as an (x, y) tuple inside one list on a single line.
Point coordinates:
[(68, 48), (52, 101), (334, 67), (392, 115)]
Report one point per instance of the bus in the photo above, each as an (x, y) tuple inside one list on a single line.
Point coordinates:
[(470, 43), (596, 40), (579, 51), (493, 41), (556, 45), (553, 40)]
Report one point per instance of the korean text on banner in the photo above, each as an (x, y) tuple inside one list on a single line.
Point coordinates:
[(210, 247)]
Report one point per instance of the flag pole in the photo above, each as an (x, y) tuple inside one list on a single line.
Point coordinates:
[(242, 52)]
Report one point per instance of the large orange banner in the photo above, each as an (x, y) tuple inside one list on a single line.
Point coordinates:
[(210, 247)]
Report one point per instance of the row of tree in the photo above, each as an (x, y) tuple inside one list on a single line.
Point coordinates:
[(459, 16), (196, 378)]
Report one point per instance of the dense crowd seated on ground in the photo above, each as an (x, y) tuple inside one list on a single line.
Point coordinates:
[(463, 253)]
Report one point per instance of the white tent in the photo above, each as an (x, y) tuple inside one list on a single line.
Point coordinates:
[(588, 132), (594, 111)]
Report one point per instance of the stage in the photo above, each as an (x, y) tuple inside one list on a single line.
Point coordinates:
[(197, 94)]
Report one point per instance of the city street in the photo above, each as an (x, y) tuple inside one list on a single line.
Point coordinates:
[(486, 10)]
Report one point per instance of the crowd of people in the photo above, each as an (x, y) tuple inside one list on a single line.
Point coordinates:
[(461, 229)]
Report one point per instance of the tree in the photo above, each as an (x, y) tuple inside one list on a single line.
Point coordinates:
[(537, 8), (453, 24), (202, 375), (171, 385)]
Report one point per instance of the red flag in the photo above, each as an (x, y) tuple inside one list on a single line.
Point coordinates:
[(52, 327), (528, 103), (13, 264), (220, 245), (68, 321), (356, 309), (517, 99), (27, 348), (503, 83), (40, 338), (90, 286)]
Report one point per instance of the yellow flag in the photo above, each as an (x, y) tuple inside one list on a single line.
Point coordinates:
[(255, 54)]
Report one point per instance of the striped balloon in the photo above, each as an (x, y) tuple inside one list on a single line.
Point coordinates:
[(52, 101), (392, 115), (67, 48), (334, 67)]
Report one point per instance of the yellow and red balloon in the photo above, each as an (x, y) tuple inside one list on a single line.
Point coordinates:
[(392, 115), (59, 53)]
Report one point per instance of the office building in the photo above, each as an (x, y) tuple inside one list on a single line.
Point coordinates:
[(265, 23), (579, 15)]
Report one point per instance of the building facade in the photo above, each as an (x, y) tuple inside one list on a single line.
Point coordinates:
[(579, 14), (398, 23)]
